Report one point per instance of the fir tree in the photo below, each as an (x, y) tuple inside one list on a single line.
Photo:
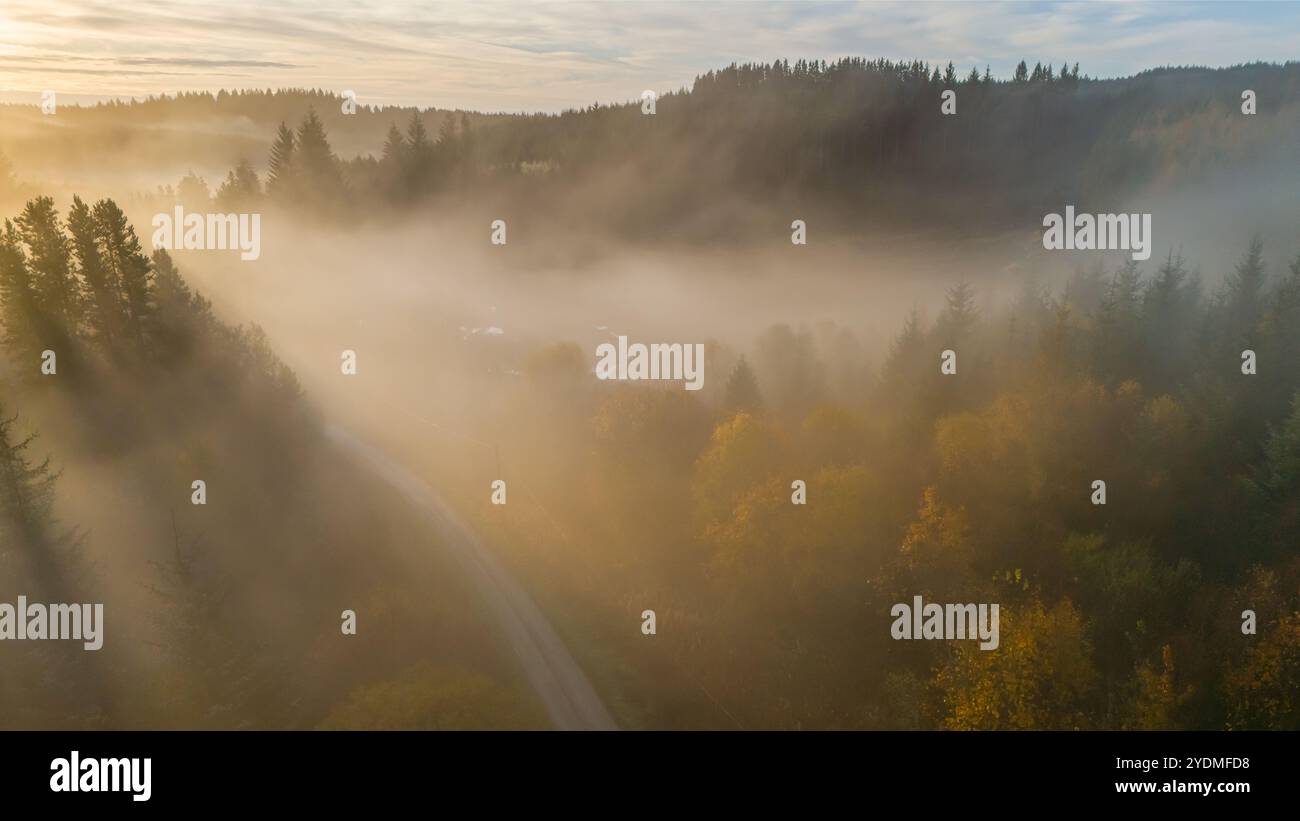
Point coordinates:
[(280, 172), (419, 153), (318, 168), (129, 266), (241, 188), (20, 311), (742, 389), (50, 259), (27, 519), (102, 291)]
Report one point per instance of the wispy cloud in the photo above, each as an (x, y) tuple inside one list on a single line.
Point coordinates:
[(549, 56)]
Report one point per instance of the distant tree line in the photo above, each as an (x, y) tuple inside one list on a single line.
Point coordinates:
[(865, 136)]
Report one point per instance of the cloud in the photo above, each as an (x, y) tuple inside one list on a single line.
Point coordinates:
[(201, 63), (550, 56)]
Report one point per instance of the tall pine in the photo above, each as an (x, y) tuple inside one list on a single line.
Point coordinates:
[(279, 175)]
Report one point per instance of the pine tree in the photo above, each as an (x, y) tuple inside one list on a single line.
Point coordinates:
[(27, 519), (1117, 324), (280, 173), (192, 192), (48, 256), (318, 168), (241, 188), (742, 389), (129, 266), (56, 313), (904, 353), (1242, 293), (393, 163), (959, 312), (419, 154), (101, 290), (466, 153), (394, 147), (53, 688), (181, 316), (20, 311)]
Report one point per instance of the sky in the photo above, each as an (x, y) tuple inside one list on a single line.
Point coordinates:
[(549, 56)]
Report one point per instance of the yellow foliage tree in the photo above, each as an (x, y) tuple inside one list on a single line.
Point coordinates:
[(1039, 677), (1264, 694)]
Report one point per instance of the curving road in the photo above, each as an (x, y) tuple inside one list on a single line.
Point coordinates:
[(570, 701)]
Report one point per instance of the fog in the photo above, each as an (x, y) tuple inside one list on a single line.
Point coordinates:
[(474, 364)]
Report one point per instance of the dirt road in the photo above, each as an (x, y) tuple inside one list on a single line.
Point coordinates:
[(570, 701)]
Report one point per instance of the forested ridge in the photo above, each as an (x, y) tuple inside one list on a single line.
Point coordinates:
[(849, 140), (226, 614)]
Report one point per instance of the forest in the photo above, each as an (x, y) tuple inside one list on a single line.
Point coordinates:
[(848, 140), (231, 618), (1175, 382), (975, 486)]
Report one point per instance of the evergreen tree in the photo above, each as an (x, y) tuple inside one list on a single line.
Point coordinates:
[(1117, 328), (181, 316), (129, 267), (20, 311), (319, 175), (280, 173), (1242, 296), (419, 154), (393, 163), (192, 193), (466, 149), (1168, 306), (742, 389), (27, 520), (48, 256), (394, 147), (102, 291), (959, 313), (51, 686), (241, 188), (905, 349)]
